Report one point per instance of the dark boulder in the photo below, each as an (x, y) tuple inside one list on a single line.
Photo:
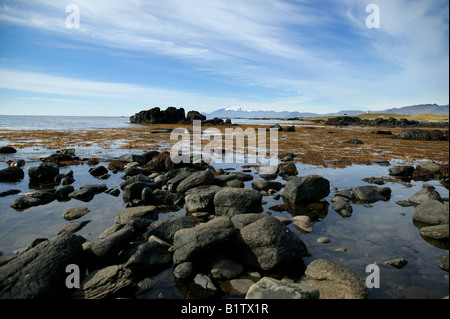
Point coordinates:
[(44, 173), (306, 189), (269, 245), (11, 174), (7, 150), (155, 115), (41, 271), (424, 135)]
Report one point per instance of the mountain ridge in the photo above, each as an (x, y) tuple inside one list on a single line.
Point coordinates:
[(241, 112)]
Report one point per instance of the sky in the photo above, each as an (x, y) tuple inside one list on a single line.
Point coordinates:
[(95, 57)]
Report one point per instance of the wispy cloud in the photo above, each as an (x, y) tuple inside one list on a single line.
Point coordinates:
[(304, 53)]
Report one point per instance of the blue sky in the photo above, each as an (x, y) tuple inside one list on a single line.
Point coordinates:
[(286, 55)]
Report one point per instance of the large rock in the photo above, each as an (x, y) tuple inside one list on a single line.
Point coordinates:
[(306, 189), (128, 215), (166, 228), (269, 245), (263, 185), (191, 243), (270, 288), (130, 158), (134, 191), (11, 174), (371, 194), (432, 212), (201, 199), (401, 171), (44, 173), (41, 272), (107, 283), (334, 281), (87, 192), (427, 193), (424, 135), (109, 247), (196, 179), (149, 258), (232, 201), (155, 115)]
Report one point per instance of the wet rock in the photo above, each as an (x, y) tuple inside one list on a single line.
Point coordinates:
[(163, 197), (201, 199), (167, 227), (72, 227), (130, 158), (342, 206), (424, 135), (10, 192), (196, 179), (145, 213), (233, 201), (106, 283), (190, 243), (401, 171), (270, 288), (7, 150), (134, 191), (268, 244), (226, 269), (87, 192), (354, 141), (306, 189), (24, 202), (62, 193), (442, 262), (334, 281), (138, 179), (303, 223), (397, 262), (155, 115), (235, 183), (185, 271), (44, 173), (75, 213), (98, 171), (427, 193), (150, 258), (11, 174), (109, 247), (288, 168), (205, 283), (432, 212), (244, 177), (263, 185), (44, 266), (439, 232), (371, 194), (324, 240)]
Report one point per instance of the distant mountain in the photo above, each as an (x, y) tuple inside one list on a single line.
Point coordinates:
[(240, 112), (418, 109)]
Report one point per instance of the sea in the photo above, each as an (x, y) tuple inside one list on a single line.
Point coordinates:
[(38, 122)]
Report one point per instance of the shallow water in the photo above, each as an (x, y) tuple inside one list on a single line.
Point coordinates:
[(373, 234)]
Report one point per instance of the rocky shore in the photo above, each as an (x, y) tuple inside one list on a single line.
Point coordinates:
[(224, 243)]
